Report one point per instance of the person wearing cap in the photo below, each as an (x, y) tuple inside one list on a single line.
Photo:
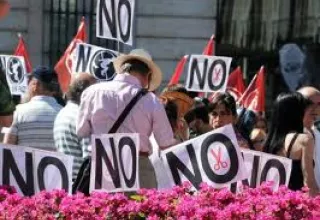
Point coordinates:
[(101, 104), (32, 124)]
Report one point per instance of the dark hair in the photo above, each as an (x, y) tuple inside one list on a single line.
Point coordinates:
[(199, 112), (287, 116), (76, 89), (180, 88), (227, 100), (135, 65), (172, 113)]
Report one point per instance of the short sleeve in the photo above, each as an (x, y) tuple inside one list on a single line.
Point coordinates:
[(161, 127), (83, 121)]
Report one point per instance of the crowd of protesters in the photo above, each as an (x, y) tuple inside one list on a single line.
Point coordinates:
[(175, 115)]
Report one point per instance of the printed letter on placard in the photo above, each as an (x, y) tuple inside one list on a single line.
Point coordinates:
[(53, 171), (115, 162)]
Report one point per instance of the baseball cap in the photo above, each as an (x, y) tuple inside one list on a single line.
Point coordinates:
[(44, 74)]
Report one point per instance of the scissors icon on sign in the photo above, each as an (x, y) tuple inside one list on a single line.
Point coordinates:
[(219, 164)]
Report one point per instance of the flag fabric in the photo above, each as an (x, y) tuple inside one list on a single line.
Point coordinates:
[(178, 71), (235, 84), (21, 50), (209, 49), (64, 65), (254, 96)]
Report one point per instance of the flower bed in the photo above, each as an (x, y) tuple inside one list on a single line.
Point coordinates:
[(180, 202)]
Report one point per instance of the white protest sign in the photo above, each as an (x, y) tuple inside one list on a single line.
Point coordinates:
[(115, 20), (15, 69), (213, 158), (95, 60), (264, 167), (53, 171), (115, 162), (30, 170), (208, 73)]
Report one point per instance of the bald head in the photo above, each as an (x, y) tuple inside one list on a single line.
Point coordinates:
[(311, 93), (312, 113), (78, 85)]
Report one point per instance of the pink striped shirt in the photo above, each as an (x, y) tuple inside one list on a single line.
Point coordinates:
[(101, 104)]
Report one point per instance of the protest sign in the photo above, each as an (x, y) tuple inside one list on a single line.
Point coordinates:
[(208, 73), (16, 74), (95, 60), (213, 158), (115, 20), (264, 167), (30, 170), (115, 162)]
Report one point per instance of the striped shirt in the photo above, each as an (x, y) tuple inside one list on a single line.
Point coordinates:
[(33, 122), (66, 139)]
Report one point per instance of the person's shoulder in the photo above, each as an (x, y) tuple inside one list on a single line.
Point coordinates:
[(305, 139), (101, 86)]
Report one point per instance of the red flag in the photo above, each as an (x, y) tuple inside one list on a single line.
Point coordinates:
[(209, 49), (235, 84), (178, 71), (254, 97), (64, 65), (21, 50)]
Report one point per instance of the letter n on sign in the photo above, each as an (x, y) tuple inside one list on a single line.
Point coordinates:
[(115, 163)]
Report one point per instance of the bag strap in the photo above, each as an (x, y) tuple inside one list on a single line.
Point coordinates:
[(126, 110), (291, 144)]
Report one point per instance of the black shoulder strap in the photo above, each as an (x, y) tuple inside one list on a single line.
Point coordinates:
[(126, 110), (291, 144)]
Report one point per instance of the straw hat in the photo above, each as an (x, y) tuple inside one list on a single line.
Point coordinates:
[(144, 56)]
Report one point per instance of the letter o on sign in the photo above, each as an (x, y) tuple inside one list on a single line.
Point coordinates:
[(274, 163), (46, 161), (234, 160), (124, 35), (211, 75)]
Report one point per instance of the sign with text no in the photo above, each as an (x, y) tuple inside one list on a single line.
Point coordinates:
[(95, 60), (115, 20), (208, 73), (31, 170), (213, 158), (115, 162)]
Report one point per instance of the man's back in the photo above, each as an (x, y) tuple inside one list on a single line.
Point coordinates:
[(101, 105), (33, 122), (65, 137)]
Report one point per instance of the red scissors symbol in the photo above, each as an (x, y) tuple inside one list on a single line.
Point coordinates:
[(219, 164)]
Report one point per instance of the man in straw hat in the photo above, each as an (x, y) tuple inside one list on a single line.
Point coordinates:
[(101, 105)]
